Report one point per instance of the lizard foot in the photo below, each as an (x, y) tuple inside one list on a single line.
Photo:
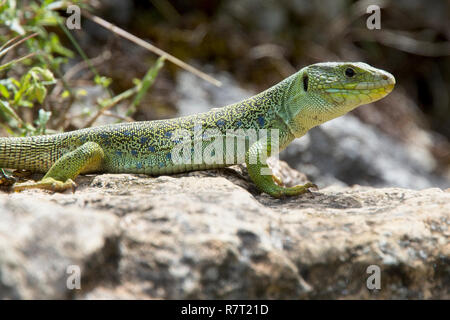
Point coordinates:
[(299, 189), (296, 190), (46, 184)]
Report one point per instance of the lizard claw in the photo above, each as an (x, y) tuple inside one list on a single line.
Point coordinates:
[(278, 180)]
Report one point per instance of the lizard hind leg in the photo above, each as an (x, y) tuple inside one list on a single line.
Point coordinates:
[(87, 157)]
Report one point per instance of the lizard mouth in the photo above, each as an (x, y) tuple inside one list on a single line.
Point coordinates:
[(364, 92), (361, 91), (385, 85), (364, 88)]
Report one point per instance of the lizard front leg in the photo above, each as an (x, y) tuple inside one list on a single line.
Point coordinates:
[(87, 157), (260, 173)]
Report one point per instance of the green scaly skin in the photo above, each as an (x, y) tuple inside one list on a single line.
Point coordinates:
[(313, 95)]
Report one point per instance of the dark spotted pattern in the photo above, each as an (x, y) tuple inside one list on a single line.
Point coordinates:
[(143, 147)]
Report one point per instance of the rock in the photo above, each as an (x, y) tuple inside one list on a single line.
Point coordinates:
[(210, 234), (196, 95), (40, 240), (346, 151)]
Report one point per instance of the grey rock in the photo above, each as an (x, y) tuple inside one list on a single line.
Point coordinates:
[(196, 95), (347, 151), (209, 234), (39, 240)]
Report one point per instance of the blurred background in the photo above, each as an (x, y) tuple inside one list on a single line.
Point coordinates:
[(249, 45)]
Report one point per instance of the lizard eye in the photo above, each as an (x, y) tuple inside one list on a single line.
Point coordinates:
[(305, 82), (349, 72)]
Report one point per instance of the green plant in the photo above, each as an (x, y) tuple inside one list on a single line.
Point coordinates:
[(24, 92), (34, 56)]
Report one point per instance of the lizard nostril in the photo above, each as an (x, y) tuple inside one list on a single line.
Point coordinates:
[(385, 77)]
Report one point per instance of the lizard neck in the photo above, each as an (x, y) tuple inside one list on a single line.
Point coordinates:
[(267, 110)]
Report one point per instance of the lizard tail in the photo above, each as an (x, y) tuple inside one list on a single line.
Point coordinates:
[(36, 154)]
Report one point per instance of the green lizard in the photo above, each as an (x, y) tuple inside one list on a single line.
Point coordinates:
[(312, 96)]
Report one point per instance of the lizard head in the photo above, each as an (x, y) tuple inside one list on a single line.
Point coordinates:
[(324, 91)]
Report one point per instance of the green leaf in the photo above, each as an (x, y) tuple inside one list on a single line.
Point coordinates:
[(81, 93), (56, 46), (6, 109), (25, 103), (65, 94), (30, 93), (4, 91), (16, 83), (47, 75), (40, 93), (103, 81), (38, 72)]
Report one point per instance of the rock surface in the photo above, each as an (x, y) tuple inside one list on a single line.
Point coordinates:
[(211, 234), (347, 151)]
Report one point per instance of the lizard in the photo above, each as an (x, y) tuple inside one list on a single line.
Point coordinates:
[(313, 95)]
